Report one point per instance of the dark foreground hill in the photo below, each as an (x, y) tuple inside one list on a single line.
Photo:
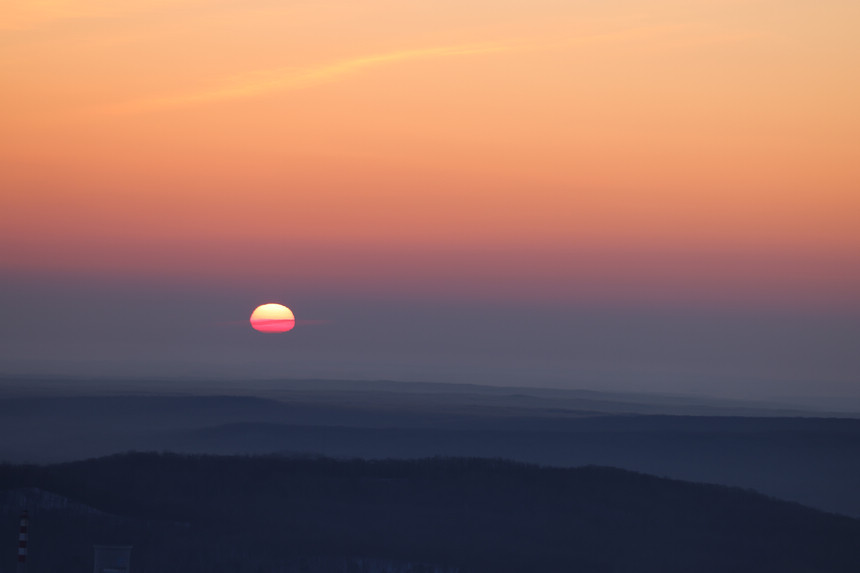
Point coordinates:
[(813, 461), (276, 514)]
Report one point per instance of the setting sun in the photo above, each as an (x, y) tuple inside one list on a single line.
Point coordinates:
[(272, 317)]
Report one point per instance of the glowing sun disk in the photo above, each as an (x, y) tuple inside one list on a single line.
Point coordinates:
[(272, 317)]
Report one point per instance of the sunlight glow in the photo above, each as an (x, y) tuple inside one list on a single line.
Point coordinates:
[(272, 317)]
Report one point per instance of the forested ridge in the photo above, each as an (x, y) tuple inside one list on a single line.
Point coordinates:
[(813, 461), (271, 513)]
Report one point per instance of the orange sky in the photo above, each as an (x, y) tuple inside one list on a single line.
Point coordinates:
[(533, 149)]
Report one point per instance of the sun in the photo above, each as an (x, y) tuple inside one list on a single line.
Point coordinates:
[(272, 317)]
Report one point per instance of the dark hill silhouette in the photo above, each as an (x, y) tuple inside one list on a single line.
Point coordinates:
[(814, 461), (260, 514)]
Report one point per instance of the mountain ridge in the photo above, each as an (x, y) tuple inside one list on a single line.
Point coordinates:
[(467, 514)]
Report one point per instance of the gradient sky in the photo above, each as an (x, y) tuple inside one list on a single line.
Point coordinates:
[(659, 195)]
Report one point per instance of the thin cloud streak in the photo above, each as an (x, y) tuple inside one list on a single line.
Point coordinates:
[(298, 321), (285, 79), (290, 78)]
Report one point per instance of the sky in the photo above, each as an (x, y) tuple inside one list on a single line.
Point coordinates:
[(625, 195)]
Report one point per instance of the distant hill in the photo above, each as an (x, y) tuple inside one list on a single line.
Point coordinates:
[(454, 397), (811, 460), (193, 514)]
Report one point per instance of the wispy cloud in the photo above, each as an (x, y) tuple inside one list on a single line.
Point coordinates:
[(291, 78), (285, 79)]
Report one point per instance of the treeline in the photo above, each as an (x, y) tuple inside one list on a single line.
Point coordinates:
[(278, 514)]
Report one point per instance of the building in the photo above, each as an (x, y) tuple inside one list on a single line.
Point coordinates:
[(112, 559)]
